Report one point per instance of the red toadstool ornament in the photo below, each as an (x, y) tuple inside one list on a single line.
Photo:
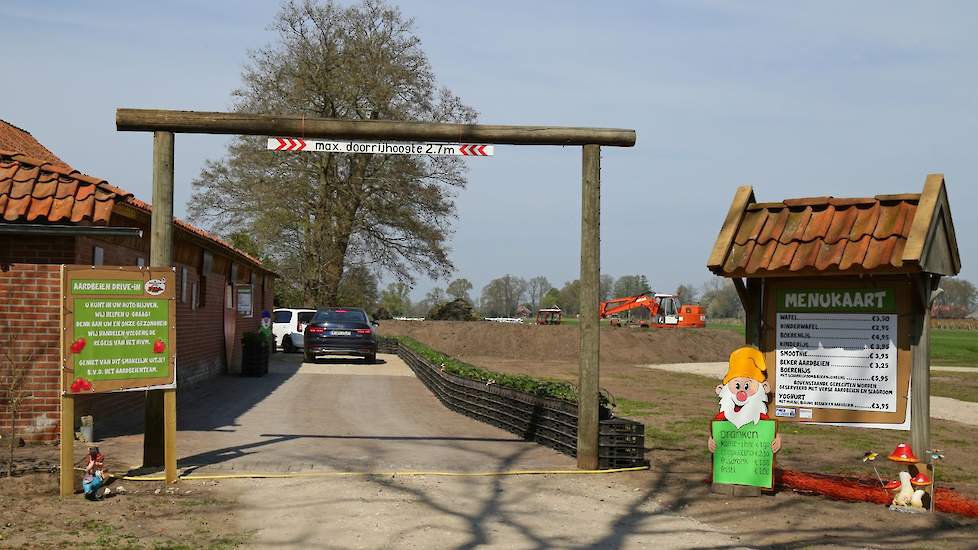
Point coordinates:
[(920, 479), (903, 453), (892, 485)]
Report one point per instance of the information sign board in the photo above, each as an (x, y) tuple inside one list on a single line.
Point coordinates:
[(743, 456), (118, 329), (837, 353)]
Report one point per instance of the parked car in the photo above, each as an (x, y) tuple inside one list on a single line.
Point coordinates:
[(288, 326), (341, 331)]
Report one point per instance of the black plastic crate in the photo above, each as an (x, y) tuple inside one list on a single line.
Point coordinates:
[(621, 452), (621, 440), (618, 426), (613, 463)]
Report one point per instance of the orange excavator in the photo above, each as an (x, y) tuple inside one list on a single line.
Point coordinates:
[(665, 311)]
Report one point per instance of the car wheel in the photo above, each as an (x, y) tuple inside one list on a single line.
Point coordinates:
[(287, 345), (370, 359)]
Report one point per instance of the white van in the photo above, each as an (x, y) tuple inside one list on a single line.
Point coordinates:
[(287, 327)]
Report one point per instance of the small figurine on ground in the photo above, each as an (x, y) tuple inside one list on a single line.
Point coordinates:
[(94, 478)]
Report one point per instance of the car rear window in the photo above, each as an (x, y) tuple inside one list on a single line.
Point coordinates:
[(340, 316), (305, 316), (282, 316)]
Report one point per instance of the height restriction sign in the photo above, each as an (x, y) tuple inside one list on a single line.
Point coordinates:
[(381, 147), (118, 330)]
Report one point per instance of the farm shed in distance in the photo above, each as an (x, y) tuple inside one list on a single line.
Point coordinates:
[(51, 214)]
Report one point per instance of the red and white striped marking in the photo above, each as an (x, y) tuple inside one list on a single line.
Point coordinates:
[(287, 144), (381, 147)]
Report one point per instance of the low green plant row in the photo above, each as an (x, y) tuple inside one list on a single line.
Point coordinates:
[(527, 384)]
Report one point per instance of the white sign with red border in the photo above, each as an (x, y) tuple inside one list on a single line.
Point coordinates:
[(381, 147)]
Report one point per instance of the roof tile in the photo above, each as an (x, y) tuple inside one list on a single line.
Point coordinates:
[(818, 225), (794, 227), (39, 208), (751, 227), (806, 255), (865, 224), (881, 253), (774, 225), (61, 208), (855, 252), (782, 256)]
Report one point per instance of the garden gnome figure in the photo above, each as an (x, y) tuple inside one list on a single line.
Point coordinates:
[(266, 327), (744, 392)]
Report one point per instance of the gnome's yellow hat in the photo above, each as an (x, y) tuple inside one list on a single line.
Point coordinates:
[(746, 362)]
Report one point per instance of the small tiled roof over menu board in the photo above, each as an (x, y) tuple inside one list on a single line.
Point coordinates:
[(828, 235)]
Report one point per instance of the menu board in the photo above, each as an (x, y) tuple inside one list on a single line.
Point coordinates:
[(836, 348), (119, 331), (743, 456)]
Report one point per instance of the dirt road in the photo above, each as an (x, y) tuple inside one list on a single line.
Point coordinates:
[(349, 416)]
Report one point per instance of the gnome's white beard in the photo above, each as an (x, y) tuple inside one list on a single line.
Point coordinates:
[(750, 412)]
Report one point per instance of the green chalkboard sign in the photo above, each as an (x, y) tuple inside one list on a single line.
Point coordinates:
[(743, 455)]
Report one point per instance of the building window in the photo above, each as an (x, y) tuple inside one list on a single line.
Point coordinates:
[(207, 264), (202, 291), (183, 284), (194, 296), (229, 297), (245, 308), (141, 262), (98, 256)]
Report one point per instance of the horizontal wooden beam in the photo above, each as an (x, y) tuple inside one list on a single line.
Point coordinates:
[(194, 122)]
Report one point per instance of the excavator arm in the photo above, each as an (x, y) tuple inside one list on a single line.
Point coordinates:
[(618, 305)]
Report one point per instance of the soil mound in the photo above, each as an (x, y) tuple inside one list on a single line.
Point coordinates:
[(561, 343)]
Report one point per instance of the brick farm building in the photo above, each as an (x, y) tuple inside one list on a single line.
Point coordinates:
[(51, 214)]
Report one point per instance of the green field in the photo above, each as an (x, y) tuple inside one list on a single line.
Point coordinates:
[(947, 347)]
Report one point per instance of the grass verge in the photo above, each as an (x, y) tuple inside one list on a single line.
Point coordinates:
[(541, 387)]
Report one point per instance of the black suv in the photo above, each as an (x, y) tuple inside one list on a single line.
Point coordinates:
[(340, 331)]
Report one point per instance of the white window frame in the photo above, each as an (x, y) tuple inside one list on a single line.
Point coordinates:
[(98, 255)]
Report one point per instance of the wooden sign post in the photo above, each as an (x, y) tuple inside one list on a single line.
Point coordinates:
[(837, 295), (118, 334)]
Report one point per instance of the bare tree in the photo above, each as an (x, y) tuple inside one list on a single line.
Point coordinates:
[(502, 296), (316, 214), (15, 370), (536, 288), (459, 289)]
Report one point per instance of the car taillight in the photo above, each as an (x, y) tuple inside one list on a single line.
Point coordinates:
[(316, 330), (364, 331)]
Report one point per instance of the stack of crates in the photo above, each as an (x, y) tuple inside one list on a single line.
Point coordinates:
[(621, 444)]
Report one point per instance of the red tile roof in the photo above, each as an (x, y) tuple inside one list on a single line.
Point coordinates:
[(822, 233), (34, 190), (827, 234), (13, 138)]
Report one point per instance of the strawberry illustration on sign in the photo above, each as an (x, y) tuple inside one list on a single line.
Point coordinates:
[(81, 385), (78, 345), (159, 346)]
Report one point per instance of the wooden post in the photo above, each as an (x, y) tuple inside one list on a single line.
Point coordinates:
[(159, 441), (589, 387), (920, 374), (67, 445)]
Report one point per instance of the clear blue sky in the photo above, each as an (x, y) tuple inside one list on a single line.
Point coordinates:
[(797, 99)]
